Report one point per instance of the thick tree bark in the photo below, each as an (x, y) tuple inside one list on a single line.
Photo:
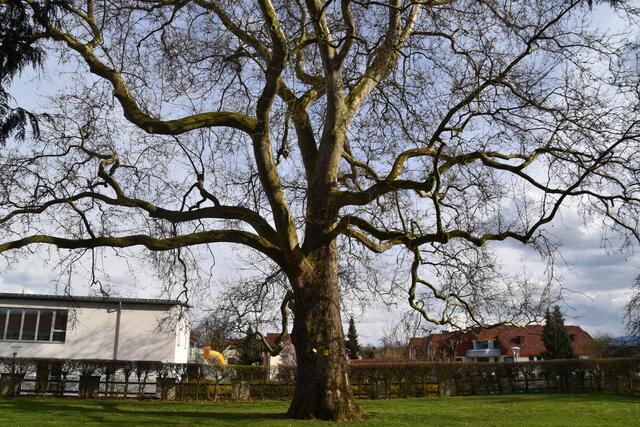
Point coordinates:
[(322, 388)]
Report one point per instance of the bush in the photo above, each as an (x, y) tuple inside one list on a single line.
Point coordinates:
[(371, 379)]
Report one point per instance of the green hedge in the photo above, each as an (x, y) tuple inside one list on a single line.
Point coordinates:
[(371, 380), (417, 379)]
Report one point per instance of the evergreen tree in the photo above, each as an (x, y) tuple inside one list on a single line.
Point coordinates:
[(250, 349), (353, 347), (21, 28), (556, 340)]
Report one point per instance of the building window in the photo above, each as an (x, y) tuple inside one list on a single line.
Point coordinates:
[(12, 328), (482, 345), (508, 359), (532, 358), (44, 331), (27, 324), (59, 326), (572, 337)]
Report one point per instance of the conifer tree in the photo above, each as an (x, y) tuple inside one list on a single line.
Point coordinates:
[(556, 340), (20, 32), (250, 349), (353, 347)]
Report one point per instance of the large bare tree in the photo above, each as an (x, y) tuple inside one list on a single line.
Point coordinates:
[(309, 131)]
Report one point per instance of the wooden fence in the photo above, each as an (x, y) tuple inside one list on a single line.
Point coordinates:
[(148, 380)]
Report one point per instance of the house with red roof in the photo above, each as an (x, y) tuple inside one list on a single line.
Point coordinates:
[(286, 357), (497, 344)]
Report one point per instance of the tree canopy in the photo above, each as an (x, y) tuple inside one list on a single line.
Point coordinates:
[(18, 51), (318, 134)]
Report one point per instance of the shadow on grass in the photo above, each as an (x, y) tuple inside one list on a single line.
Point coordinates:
[(137, 413), (573, 397), (592, 409)]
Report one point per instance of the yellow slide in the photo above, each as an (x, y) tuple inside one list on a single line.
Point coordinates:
[(216, 356)]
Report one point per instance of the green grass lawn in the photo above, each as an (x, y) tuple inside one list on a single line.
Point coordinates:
[(498, 410)]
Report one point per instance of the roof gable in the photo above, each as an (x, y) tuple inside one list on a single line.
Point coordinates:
[(272, 337), (75, 299)]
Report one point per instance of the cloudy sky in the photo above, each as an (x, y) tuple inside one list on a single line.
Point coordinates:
[(597, 280)]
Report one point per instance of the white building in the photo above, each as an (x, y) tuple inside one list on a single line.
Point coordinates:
[(77, 327)]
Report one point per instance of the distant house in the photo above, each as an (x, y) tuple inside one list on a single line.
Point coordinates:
[(498, 344), (286, 356), (81, 327), (232, 350)]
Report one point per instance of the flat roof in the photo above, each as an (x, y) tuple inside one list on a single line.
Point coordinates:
[(94, 299)]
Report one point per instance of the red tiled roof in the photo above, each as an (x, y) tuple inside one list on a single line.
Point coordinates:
[(273, 336), (506, 337), (233, 342)]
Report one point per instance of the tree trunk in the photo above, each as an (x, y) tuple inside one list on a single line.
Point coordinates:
[(322, 388)]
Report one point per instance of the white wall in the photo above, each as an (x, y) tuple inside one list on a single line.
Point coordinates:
[(181, 341), (91, 333), (272, 363)]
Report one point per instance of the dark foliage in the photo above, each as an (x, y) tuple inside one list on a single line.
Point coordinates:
[(19, 49), (555, 337), (250, 349), (353, 347)]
